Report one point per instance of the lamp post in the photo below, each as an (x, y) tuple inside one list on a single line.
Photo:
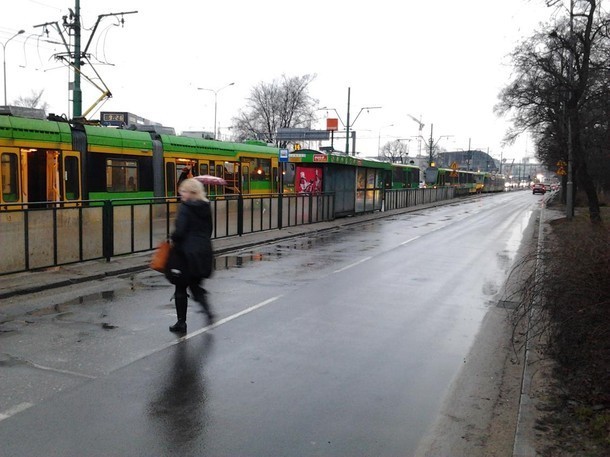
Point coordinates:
[(4, 59), (379, 139), (570, 182), (348, 125), (569, 114), (216, 103)]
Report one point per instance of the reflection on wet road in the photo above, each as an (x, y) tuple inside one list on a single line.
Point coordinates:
[(340, 343), (177, 408)]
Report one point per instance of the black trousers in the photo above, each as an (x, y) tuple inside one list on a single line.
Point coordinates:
[(181, 298)]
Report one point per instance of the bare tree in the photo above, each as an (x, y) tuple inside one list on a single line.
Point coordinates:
[(394, 151), (33, 101), (560, 76), (280, 104)]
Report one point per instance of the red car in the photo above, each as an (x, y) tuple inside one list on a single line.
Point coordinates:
[(538, 188)]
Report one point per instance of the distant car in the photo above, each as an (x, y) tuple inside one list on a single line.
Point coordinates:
[(538, 188)]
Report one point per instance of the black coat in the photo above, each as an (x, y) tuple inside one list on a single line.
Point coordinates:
[(192, 239)]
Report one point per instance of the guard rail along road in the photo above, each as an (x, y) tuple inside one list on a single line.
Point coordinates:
[(43, 235)]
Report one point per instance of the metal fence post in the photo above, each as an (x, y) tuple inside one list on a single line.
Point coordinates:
[(240, 214), (107, 230), (280, 209), (310, 216)]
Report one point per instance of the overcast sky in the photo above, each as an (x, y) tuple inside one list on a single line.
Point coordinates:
[(443, 61)]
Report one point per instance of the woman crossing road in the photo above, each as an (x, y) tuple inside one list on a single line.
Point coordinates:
[(193, 254)]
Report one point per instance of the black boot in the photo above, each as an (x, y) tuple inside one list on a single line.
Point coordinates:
[(178, 327), (181, 305)]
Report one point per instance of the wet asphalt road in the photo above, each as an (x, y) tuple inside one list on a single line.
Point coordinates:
[(342, 344)]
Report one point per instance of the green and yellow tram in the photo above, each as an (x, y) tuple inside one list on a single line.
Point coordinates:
[(46, 161), (465, 182), (38, 161)]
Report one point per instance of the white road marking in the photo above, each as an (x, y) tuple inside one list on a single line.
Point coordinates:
[(408, 241), (210, 327), (230, 318), (368, 258), (352, 265), (15, 410), (57, 370)]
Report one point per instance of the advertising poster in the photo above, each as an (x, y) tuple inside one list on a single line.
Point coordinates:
[(309, 180)]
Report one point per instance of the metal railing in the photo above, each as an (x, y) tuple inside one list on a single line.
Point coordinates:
[(48, 234), (405, 198), (40, 235)]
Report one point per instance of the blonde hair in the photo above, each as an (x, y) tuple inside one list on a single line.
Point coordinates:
[(195, 187)]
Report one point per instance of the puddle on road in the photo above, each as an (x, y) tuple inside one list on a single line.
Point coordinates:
[(105, 295), (325, 242), (269, 252), (64, 307), (7, 360)]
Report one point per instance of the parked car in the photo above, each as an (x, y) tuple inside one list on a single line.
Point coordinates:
[(538, 188)]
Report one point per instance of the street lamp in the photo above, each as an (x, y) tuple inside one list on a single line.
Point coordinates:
[(4, 59), (379, 138), (348, 125), (215, 103)]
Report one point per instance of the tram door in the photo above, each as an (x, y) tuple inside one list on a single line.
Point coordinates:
[(50, 175), (173, 170), (232, 173), (41, 177), (70, 176), (170, 178)]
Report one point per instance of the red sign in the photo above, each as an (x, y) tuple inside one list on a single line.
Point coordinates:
[(332, 124)]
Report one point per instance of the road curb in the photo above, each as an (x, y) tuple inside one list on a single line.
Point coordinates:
[(526, 417)]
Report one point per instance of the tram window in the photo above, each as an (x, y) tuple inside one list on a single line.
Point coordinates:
[(260, 169), (203, 169), (121, 175), (10, 190), (71, 178)]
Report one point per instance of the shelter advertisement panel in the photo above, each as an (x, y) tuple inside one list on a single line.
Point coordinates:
[(309, 179)]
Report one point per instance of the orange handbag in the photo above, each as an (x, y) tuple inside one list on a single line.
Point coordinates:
[(158, 262)]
